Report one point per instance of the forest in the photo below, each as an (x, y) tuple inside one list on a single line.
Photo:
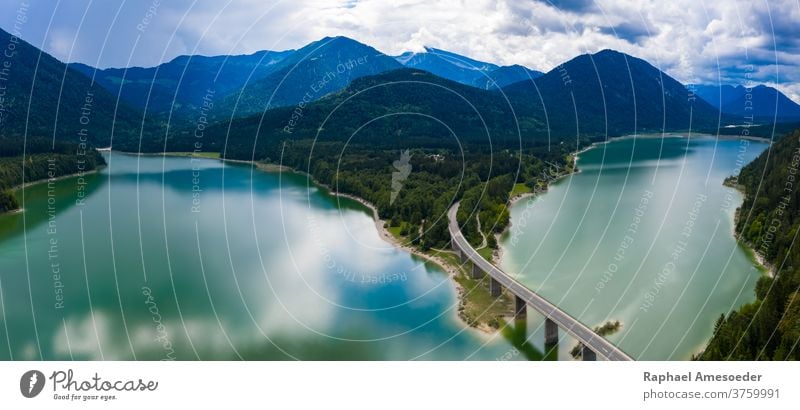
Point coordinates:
[(40, 160), (482, 181), (769, 327)]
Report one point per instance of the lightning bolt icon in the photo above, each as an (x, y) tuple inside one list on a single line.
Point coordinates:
[(32, 382)]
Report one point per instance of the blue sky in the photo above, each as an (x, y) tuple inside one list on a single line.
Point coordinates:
[(695, 41)]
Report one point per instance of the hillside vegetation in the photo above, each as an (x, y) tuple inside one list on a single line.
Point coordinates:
[(40, 162), (44, 98), (769, 328)]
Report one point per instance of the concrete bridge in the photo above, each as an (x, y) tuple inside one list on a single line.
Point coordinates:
[(555, 318)]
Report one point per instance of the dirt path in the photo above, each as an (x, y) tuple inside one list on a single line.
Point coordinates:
[(483, 241)]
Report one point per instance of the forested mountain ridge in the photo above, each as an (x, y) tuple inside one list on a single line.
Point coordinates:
[(308, 74), (717, 95), (51, 117), (414, 107), (762, 103), (586, 99), (507, 75), (43, 97), (180, 85), (769, 219), (589, 98), (611, 93), (461, 140), (400, 108)]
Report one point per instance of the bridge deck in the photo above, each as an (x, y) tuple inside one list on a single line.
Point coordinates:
[(578, 330)]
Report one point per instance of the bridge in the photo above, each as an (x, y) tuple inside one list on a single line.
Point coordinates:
[(555, 318)]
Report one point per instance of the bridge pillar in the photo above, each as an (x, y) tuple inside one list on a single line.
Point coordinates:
[(520, 308), (588, 355), (550, 332), (495, 289), (463, 256), (477, 273)]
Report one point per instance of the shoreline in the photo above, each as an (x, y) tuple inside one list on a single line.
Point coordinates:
[(755, 258), (449, 269), (29, 184), (760, 263), (58, 178), (497, 254), (453, 271), (446, 267), (671, 135), (688, 134)]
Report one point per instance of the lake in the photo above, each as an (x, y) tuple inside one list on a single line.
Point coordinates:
[(643, 234), (179, 258)]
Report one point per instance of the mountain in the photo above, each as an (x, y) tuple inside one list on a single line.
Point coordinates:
[(42, 97), (403, 107), (181, 85), (243, 84), (507, 75), (447, 65), (762, 102), (717, 95), (769, 327), (465, 70), (611, 93), (584, 100), (765, 103), (308, 74)]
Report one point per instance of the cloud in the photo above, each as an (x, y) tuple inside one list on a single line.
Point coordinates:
[(633, 33), (571, 5), (62, 44), (694, 41)]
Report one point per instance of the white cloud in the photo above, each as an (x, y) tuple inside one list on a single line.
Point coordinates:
[(62, 43), (694, 41)]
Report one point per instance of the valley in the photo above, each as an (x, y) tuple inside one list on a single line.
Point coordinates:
[(337, 122)]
